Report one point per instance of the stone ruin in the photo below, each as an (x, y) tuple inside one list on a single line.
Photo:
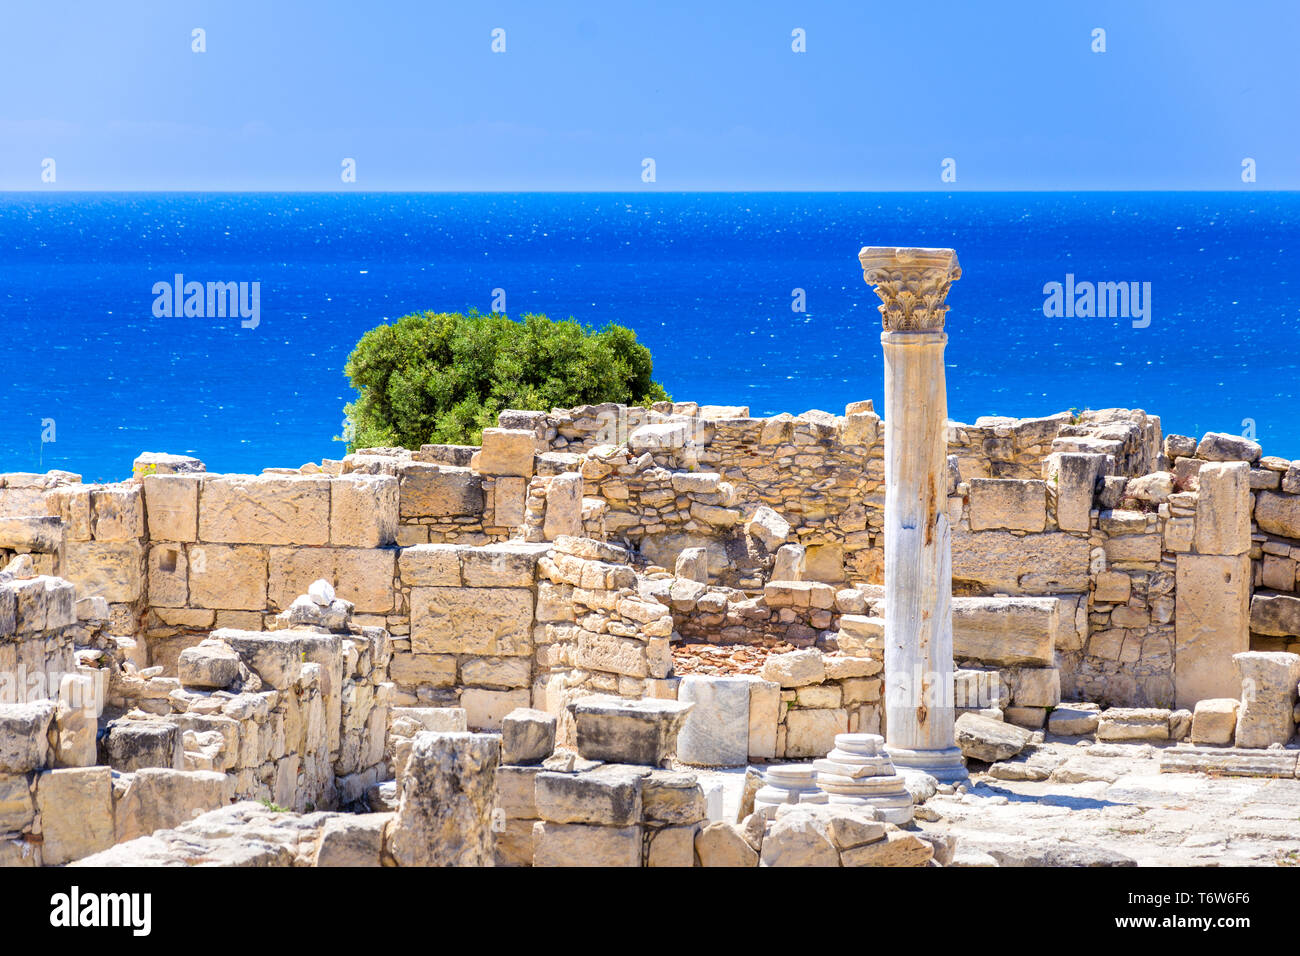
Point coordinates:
[(466, 655)]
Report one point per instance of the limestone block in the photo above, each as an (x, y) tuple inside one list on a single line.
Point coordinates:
[(899, 848), (158, 798), (824, 562), (133, 744), (607, 652), (24, 736), (76, 808), (576, 844), (1036, 687), (1053, 562), (168, 571), (363, 510), (438, 491), (796, 668), (37, 533), (508, 451), (1180, 533), (503, 673), (693, 565), (1229, 763), (1154, 488), (503, 565), (271, 509), (208, 665), (481, 621), (77, 729), (1268, 697), (150, 463), (627, 731), (811, 733), (1278, 513), (1133, 548), (118, 513), (716, 731), (113, 570), (364, 577), (768, 527), (790, 563), (1010, 503), (798, 839), (1223, 508), (1276, 615), (723, 844), (1279, 573), (1113, 587), (172, 505), (1133, 723), (989, 740), (1006, 630), (1211, 624), (1030, 718), (352, 839), (17, 809), (1073, 719), (1215, 720), (485, 709), (764, 716), (563, 506), (1075, 476), (228, 577), (672, 846), (276, 657), (1218, 446), (423, 670), (859, 635), (527, 736), (671, 798), (516, 792), (430, 565), (609, 795), (445, 814)]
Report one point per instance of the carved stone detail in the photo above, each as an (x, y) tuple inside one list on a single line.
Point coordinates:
[(911, 283)]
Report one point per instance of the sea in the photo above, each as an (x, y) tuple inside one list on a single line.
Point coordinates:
[(742, 298)]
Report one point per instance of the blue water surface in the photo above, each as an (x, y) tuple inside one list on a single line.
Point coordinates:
[(705, 279)]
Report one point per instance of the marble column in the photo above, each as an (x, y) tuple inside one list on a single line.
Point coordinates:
[(919, 714)]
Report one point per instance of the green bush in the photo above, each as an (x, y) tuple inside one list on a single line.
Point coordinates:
[(442, 377)]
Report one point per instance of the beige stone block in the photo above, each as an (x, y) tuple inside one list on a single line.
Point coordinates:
[(423, 670), (563, 506), (269, 509), (672, 846), (17, 811), (172, 505), (509, 564), (158, 798), (508, 451), (168, 575), (1133, 548), (618, 655), (1279, 572), (811, 733), (1008, 503), (1180, 533), (76, 808), (364, 576), (363, 511), (485, 709), (1113, 587), (482, 621), (1006, 630), (228, 577), (1214, 721), (118, 513), (1223, 508), (508, 496), (430, 565), (498, 672), (764, 716), (113, 570), (1211, 625), (72, 506), (1278, 513), (577, 844), (439, 491), (999, 561)]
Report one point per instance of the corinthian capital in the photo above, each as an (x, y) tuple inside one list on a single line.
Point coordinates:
[(912, 284)]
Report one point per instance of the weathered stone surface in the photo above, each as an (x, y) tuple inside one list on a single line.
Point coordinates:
[(798, 839), (1006, 630), (17, 809), (1278, 513), (172, 505), (157, 798), (722, 844), (363, 510), (1000, 561), (113, 570), (716, 731), (270, 509), (672, 798), (445, 814), (1071, 720), (693, 565), (508, 451), (1011, 503), (136, 744), (1268, 697), (764, 715), (24, 736), (485, 709), (1075, 476), (1054, 853), (208, 664), (1223, 508), (609, 795), (576, 844), (1036, 687), (76, 808), (228, 577), (768, 527), (527, 736), (485, 621), (989, 740), (811, 733), (41, 533), (1215, 720), (1276, 615), (1211, 624), (1154, 488), (899, 848), (790, 563), (1230, 763), (1218, 446), (430, 565), (1133, 723), (438, 491), (671, 846), (563, 506), (627, 731), (352, 840), (795, 669)]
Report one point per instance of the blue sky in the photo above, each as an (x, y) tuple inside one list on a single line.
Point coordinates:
[(1012, 91)]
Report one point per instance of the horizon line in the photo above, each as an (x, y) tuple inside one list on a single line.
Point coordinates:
[(622, 192)]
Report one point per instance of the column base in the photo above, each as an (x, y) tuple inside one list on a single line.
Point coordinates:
[(946, 766)]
